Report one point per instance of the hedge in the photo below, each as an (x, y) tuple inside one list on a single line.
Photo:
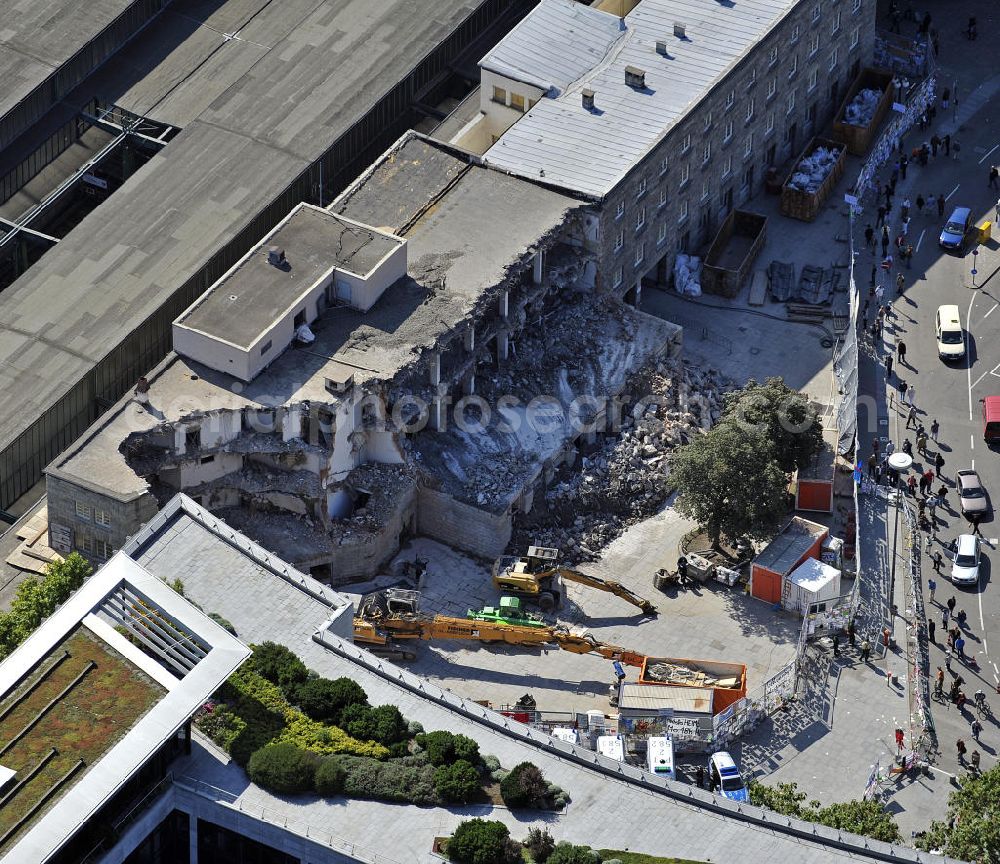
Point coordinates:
[(457, 783), (283, 768), (478, 841), (443, 748), (410, 779)]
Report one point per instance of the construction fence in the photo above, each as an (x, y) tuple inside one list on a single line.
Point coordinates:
[(923, 735)]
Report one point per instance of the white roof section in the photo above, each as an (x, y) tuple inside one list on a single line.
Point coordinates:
[(813, 575), (591, 150), (558, 42), (183, 697)]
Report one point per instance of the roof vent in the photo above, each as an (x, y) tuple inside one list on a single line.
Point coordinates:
[(661, 47), (679, 30), (635, 77), (588, 100), (276, 256)]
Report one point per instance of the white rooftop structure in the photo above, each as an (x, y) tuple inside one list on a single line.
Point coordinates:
[(812, 582), (590, 150), (188, 670)]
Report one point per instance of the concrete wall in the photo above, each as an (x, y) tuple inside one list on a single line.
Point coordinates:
[(365, 292), (500, 116), (361, 555), (204, 470), (444, 518), (730, 175)]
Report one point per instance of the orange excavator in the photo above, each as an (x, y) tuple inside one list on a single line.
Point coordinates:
[(388, 618)]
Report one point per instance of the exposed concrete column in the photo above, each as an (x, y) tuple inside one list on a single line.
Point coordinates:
[(437, 414), (503, 345), (638, 292), (193, 837), (435, 369), (504, 304), (536, 271), (469, 384), (469, 339)]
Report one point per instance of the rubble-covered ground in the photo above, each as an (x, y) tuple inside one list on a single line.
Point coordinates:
[(626, 478)]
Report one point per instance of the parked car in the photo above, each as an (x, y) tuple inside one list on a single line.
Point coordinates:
[(965, 563), (725, 776), (971, 493), (956, 229), (991, 420)]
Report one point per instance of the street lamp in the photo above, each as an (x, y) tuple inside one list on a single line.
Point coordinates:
[(900, 463)]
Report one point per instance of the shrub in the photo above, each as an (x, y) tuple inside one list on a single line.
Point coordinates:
[(524, 786), (279, 665), (567, 853), (407, 780), (383, 723), (284, 768), (323, 699), (491, 762), (540, 844), (222, 622), (414, 727), (222, 725), (330, 777), (457, 783), (477, 841), (443, 748)]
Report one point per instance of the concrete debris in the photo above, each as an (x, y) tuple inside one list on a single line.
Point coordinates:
[(813, 169), (625, 479), (862, 109)]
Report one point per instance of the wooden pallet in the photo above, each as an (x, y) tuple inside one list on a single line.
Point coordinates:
[(758, 288)]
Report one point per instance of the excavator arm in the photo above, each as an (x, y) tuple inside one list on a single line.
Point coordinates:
[(616, 588)]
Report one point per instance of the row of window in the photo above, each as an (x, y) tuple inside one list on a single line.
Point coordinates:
[(94, 546), (86, 513), (517, 101)]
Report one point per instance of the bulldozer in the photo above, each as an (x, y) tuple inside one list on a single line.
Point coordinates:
[(387, 619), (536, 577)]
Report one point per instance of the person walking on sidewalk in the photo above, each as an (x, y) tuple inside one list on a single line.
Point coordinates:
[(931, 201), (850, 632), (885, 241), (869, 236), (911, 417), (930, 629), (997, 211), (951, 605), (922, 443), (866, 650), (900, 737), (900, 285), (904, 210), (940, 198), (901, 390), (920, 204), (888, 367), (939, 682), (901, 345), (936, 558), (960, 747), (903, 165), (911, 484), (932, 586), (872, 465), (974, 759), (945, 614), (935, 428), (938, 462), (976, 729), (994, 175)]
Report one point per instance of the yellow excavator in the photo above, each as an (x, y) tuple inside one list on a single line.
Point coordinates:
[(388, 618), (536, 577)]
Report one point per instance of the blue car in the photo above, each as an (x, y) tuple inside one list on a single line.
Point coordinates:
[(956, 229), (725, 776)]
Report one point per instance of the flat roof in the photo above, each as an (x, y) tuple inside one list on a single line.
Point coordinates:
[(592, 150), (254, 294), (653, 697), (794, 541), (113, 715), (812, 574), (821, 466), (256, 111), (39, 36)]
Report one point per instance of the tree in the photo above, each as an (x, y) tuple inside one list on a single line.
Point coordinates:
[(279, 665), (283, 767), (390, 726), (540, 844), (866, 818), (325, 699), (457, 783), (731, 483), (330, 776), (783, 416), (442, 747), (567, 853), (524, 786), (478, 841), (972, 830)]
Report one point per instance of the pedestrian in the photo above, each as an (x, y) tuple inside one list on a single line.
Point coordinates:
[(961, 618), (907, 255), (886, 636), (700, 777), (911, 416), (974, 759), (945, 613), (866, 650), (888, 367), (947, 151), (888, 198), (836, 645), (901, 388), (994, 174), (931, 202), (932, 504), (997, 211), (850, 632), (939, 681), (900, 737), (942, 493), (935, 427), (887, 263), (900, 285), (872, 464), (885, 243), (951, 605), (911, 485), (905, 233), (888, 675), (879, 295), (935, 143), (940, 199), (960, 747), (920, 204), (874, 270), (937, 565), (974, 519), (938, 461), (945, 97), (976, 729), (923, 485), (869, 235), (889, 448), (910, 399), (922, 443), (960, 647), (930, 629), (947, 659), (904, 210)]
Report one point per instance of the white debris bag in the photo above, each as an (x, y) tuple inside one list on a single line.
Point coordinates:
[(687, 275), (304, 335), (814, 169), (862, 109)]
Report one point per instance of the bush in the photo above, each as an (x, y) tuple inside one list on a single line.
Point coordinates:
[(491, 762), (524, 786), (443, 748), (414, 727), (330, 777), (323, 699), (283, 768), (279, 665), (383, 723), (567, 853), (408, 780), (478, 841), (457, 783), (540, 844), (222, 622)]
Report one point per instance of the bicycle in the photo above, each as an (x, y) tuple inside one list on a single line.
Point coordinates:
[(982, 706)]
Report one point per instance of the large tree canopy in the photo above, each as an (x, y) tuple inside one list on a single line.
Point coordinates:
[(972, 831)]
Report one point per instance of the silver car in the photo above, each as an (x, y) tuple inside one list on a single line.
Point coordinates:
[(972, 494)]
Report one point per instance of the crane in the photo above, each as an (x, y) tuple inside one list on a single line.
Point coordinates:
[(387, 618), (536, 576)]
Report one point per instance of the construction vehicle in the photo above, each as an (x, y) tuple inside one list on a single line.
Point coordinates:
[(388, 618), (536, 577), (508, 612)]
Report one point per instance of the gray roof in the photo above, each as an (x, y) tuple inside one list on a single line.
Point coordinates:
[(256, 111), (558, 42), (787, 549), (83, 797), (254, 294), (590, 151), (639, 697), (38, 36)]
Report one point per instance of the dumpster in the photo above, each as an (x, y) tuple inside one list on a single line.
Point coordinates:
[(812, 178), (862, 103), (732, 253), (985, 230)]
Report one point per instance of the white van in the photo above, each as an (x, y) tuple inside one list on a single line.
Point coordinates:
[(949, 332), (660, 757), (611, 746)]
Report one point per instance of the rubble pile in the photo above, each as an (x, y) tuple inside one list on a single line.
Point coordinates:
[(628, 477), (814, 169), (384, 485), (862, 109)]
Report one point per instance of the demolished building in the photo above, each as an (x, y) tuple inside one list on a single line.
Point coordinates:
[(417, 358)]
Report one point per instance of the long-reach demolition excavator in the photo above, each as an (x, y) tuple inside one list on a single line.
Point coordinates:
[(388, 618), (536, 577)]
